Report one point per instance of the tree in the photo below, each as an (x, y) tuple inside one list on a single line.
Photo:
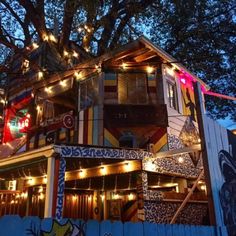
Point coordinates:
[(200, 33)]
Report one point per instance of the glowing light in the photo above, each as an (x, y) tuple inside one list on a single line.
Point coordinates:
[(203, 187), (75, 54), (150, 69), (116, 196), (45, 37), (12, 201), (199, 140), (74, 197), (180, 159), (127, 166), (103, 170), (131, 196), (45, 180), (65, 53), (40, 189), (183, 81), (81, 173), (150, 165), (77, 76), (89, 197), (48, 90), (102, 197), (124, 66), (38, 108), (31, 181), (41, 196), (62, 83), (40, 74), (52, 38), (80, 29), (170, 71), (87, 49), (2, 101), (35, 45)]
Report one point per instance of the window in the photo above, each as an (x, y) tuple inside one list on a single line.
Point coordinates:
[(172, 95), (132, 88)]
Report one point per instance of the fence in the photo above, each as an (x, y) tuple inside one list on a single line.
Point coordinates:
[(13, 225)]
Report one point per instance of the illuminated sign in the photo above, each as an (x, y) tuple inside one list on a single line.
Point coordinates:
[(24, 123)]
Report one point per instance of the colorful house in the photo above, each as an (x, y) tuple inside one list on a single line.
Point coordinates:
[(113, 137)]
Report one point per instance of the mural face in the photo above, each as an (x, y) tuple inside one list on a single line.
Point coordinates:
[(228, 190)]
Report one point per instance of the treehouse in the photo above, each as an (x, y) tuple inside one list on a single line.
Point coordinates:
[(112, 137)]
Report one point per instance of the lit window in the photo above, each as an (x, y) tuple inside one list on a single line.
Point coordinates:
[(172, 95)]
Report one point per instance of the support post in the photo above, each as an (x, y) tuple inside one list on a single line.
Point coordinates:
[(200, 111), (49, 187)]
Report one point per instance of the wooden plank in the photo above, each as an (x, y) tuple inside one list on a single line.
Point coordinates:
[(117, 228), (149, 229), (161, 230), (192, 148), (92, 228), (131, 229), (105, 228)]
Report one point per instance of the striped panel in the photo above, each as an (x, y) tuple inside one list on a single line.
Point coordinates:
[(85, 136), (110, 139), (95, 125), (110, 83), (159, 139), (90, 126), (81, 127)]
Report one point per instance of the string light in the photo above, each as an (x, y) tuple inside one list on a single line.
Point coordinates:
[(124, 65), (77, 75), (180, 159), (103, 170), (150, 69), (65, 53), (52, 38), (62, 83), (75, 54), (35, 45), (131, 196), (48, 89), (45, 180), (40, 75)]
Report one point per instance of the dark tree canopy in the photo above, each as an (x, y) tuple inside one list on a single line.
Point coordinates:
[(201, 34)]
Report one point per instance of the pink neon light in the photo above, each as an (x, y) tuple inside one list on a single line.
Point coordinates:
[(183, 80)]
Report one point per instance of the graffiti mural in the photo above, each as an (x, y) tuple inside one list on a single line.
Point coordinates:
[(60, 188), (228, 190), (95, 152), (67, 228)]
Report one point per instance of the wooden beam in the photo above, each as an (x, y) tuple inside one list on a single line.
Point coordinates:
[(110, 169), (187, 198), (46, 152), (170, 153), (145, 56)]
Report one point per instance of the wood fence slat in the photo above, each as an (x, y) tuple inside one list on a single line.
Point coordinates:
[(92, 228), (131, 229), (161, 230), (105, 228), (149, 229), (117, 228)]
